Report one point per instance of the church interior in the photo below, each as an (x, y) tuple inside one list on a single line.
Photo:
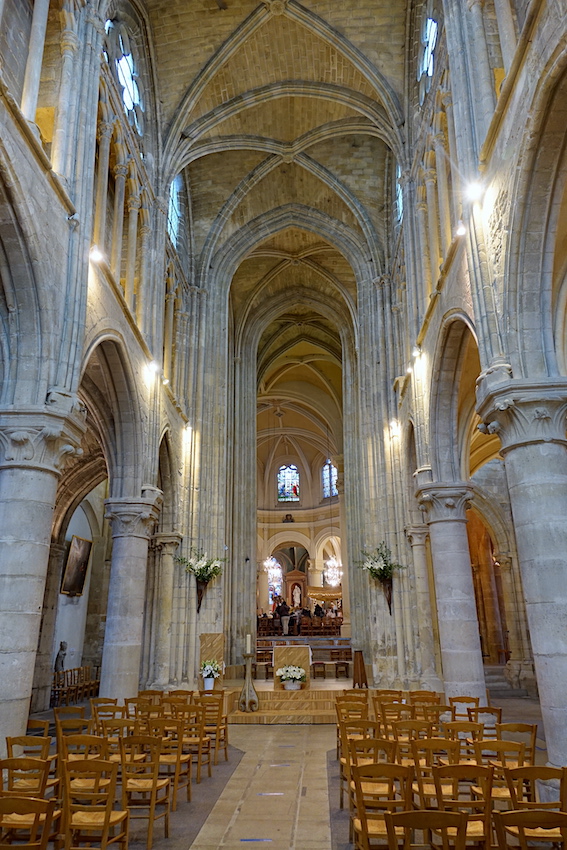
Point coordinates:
[(283, 295)]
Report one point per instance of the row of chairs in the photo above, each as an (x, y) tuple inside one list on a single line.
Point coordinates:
[(75, 685), (147, 755), (384, 812)]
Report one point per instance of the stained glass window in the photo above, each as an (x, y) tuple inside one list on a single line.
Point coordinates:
[(399, 194), (329, 476), (288, 483)]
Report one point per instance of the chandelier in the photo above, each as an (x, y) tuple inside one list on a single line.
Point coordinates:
[(274, 570), (333, 572)]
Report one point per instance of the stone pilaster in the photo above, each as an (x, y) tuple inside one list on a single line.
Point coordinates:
[(444, 506), (43, 674), (519, 670), (166, 545), (530, 419), (417, 536), (35, 445), (35, 57), (133, 521), (263, 602)]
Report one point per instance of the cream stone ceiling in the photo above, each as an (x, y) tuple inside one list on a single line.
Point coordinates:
[(285, 120)]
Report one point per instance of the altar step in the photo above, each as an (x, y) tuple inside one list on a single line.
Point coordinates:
[(289, 707)]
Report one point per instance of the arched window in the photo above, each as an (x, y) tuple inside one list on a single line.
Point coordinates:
[(174, 210), (329, 478), (399, 195), (288, 483), (119, 55), (426, 64)]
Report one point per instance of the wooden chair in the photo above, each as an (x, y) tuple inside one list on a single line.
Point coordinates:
[(500, 755), (30, 746), (195, 740), (522, 733), (350, 731), (83, 747), (460, 706), (524, 786), (427, 754), (102, 701), (37, 727), (437, 714), (466, 733), (216, 723), (180, 692), (173, 762), (115, 728), (394, 712), (424, 696), (407, 731), (89, 814), (379, 788), (143, 790), (106, 711), (348, 710), (64, 711), (364, 751), (71, 726), (24, 777), (154, 696), (454, 784), (537, 825), (26, 821), (489, 716), (450, 826)]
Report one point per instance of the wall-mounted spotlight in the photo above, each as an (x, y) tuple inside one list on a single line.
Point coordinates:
[(416, 351), (474, 190), (461, 229)]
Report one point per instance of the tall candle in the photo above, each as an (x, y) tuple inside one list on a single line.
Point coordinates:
[(248, 644)]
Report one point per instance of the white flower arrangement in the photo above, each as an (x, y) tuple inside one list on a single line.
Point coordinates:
[(210, 669), (291, 673), (203, 568)]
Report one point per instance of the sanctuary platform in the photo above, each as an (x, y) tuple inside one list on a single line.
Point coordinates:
[(314, 705)]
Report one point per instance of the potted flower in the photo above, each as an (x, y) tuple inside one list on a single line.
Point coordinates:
[(291, 676), (379, 564), (210, 670), (204, 569)]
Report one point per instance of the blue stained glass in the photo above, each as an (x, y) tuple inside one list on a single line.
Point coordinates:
[(329, 476)]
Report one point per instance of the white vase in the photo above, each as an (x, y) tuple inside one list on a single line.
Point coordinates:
[(292, 685), (208, 683)]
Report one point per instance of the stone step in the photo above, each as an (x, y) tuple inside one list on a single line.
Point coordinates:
[(498, 685), (266, 718)]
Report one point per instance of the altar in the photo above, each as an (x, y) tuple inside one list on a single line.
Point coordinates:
[(300, 656)]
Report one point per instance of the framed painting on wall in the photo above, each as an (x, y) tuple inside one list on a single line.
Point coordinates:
[(76, 566)]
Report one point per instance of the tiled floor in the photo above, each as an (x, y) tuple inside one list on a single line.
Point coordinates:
[(277, 795)]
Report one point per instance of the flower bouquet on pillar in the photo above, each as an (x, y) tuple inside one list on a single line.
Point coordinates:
[(204, 569), (381, 567), (210, 670)]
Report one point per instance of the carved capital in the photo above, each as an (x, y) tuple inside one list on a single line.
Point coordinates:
[(383, 280), (523, 414), (167, 542), (445, 502), (430, 176), (505, 562), (45, 438), (69, 41), (135, 517), (121, 170), (134, 203), (417, 534), (104, 131)]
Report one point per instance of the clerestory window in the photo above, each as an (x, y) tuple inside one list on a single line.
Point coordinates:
[(119, 54), (174, 211), (288, 483), (426, 64), (329, 479)]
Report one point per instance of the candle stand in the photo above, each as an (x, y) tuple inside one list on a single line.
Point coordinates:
[(248, 697)]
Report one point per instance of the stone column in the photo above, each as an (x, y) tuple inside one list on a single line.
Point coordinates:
[(433, 224), (166, 545), (43, 674), (506, 31), (443, 190), (141, 298), (417, 536), (104, 136), (316, 573), (444, 505), (346, 628), (69, 47), (421, 213), (34, 447), (133, 208), (120, 175), (168, 325), (32, 75), (132, 521), (263, 589), (529, 418), (484, 82)]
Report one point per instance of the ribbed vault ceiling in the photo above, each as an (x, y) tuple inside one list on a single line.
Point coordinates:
[(275, 106)]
